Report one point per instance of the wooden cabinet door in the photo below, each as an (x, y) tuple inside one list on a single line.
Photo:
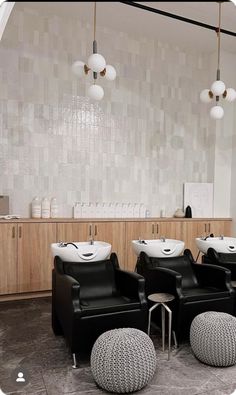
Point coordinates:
[(113, 233), (227, 228), (8, 258), (34, 256), (217, 227), (220, 228), (192, 230), (73, 231), (170, 230)]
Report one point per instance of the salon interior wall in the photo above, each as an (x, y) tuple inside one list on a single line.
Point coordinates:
[(148, 136)]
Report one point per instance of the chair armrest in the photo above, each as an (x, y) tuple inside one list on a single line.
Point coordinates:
[(160, 279), (213, 276), (66, 292), (229, 266), (132, 285)]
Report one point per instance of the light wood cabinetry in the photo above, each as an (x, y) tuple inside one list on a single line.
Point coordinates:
[(75, 231), (34, 256), (134, 231), (218, 228), (111, 232), (25, 247), (25, 257), (8, 258), (171, 230)]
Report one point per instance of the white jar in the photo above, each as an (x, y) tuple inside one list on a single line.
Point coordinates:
[(36, 207), (54, 208), (45, 208)]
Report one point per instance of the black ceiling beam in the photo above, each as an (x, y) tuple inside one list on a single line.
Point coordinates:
[(178, 17)]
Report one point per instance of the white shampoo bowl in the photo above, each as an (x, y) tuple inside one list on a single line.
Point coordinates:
[(225, 244), (158, 248), (85, 251)]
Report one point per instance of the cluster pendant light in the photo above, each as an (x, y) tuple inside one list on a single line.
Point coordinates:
[(218, 88), (97, 65)]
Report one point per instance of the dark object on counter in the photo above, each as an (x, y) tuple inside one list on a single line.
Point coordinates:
[(188, 212)]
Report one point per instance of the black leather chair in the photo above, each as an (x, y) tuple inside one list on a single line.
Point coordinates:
[(227, 260), (196, 287), (89, 298)]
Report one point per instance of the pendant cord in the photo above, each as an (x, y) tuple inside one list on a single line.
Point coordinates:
[(94, 21), (218, 34)]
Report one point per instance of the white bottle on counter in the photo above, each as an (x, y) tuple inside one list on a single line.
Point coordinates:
[(77, 210), (45, 208), (142, 211), (54, 208), (36, 207)]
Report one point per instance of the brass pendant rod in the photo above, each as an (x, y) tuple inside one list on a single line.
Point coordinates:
[(94, 36)]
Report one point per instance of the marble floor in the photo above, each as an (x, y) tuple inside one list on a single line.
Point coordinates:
[(28, 345)]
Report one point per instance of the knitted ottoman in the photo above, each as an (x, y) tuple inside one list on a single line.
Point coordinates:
[(123, 360), (213, 338)]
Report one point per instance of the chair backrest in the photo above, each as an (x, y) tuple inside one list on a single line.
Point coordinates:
[(221, 257), (181, 264), (96, 279)]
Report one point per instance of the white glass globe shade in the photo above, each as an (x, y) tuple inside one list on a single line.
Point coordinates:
[(204, 96), (216, 112), (218, 88), (230, 94), (78, 68), (96, 92), (96, 62), (110, 73)]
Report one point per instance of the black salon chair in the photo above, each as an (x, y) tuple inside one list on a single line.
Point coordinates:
[(196, 287), (89, 298), (227, 260)]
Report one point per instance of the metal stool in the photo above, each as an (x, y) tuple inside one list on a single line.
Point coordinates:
[(162, 299)]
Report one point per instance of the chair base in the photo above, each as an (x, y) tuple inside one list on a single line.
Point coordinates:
[(75, 361)]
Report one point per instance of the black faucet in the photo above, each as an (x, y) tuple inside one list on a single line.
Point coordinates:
[(142, 241), (207, 237), (61, 244)]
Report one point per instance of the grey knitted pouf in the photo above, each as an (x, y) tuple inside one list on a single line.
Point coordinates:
[(213, 338), (123, 360)]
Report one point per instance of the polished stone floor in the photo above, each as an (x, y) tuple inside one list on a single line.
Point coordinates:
[(28, 345)]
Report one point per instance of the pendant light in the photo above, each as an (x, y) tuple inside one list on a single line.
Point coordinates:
[(218, 88), (96, 65)]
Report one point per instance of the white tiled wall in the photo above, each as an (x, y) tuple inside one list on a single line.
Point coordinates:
[(148, 136)]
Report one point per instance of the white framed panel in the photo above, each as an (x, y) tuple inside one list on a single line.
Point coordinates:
[(199, 196)]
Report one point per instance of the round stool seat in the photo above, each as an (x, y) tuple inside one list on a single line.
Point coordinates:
[(213, 338), (123, 360), (161, 297)]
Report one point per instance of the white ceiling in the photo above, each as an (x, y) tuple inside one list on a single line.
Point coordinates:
[(138, 22)]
